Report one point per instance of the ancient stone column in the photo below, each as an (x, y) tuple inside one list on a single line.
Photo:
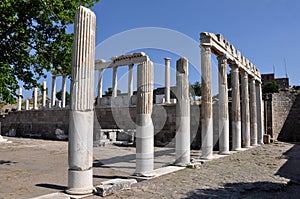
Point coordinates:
[(144, 125), (223, 107), (27, 104), (115, 82), (182, 113), (167, 80), (44, 93), (64, 90), (35, 100), (236, 109), (260, 115), (80, 175), (245, 110), (253, 113), (53, 91), (20, 99), (206, 106), (100, 76), (130, 80)]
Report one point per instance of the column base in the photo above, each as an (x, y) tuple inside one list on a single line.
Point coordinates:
[(80, 182)]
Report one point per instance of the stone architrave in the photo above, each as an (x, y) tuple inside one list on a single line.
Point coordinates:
[(223, 107), (64, 90), (115, 82), (100, 75), (182, 113), (44, 94), (253, 113), (167, 80), (236, 110), (260, 115), (144, 125), (53, 91), (245, 110), (35, 101), (80, 173), (130, 80), (20, 99), (206, 107)]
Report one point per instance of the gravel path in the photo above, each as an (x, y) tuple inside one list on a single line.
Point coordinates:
[(262, 172), (31, 168)]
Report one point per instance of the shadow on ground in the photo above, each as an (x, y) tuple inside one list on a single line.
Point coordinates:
[(52, 186), (240, 190)]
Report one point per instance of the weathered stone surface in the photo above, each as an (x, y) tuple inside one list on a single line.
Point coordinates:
[(113, 186), (245, 110), (167, 80)]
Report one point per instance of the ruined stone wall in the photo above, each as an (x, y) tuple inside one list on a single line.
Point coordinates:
[(44, 123), (277, 111)]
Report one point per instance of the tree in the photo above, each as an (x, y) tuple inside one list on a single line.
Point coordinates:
[(271, 87), (109, 92), (33, 40), (197, 89), (59, 96)]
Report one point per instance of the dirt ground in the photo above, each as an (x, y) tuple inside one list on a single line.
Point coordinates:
[(31, 167)]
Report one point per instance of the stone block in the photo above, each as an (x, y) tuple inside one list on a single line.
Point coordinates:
[(125, 136), (112, 186), (267, 139)]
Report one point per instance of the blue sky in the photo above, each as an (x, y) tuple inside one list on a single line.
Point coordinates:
[(265, 31)]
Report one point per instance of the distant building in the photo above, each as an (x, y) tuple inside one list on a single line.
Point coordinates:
[(270, 77)]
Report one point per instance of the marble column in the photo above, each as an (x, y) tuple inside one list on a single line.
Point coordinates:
[(100, 76), (80, 173), (144, 125), (130, 80), (182, 146), (53, 91), (223, 107), (115, 82), (20, 99), (253, 113), (44, 94), (167, 80), (260, 114), (64, 90), (236, 109), (27, 104), (35, 100), (206, 106), (245, 110)]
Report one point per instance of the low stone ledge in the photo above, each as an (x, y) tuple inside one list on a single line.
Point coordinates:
[(112, 186)]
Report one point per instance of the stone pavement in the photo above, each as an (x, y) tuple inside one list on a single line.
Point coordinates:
[(30, 168)]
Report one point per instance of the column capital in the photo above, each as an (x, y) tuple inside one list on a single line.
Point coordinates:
[(205, 47), (222, 58), (167, 58)]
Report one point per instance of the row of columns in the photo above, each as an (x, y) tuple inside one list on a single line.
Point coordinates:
[(247, 129), (44, 95), (130, 81)]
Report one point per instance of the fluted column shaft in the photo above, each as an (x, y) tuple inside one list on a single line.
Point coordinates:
[(80, 175), (260, 115), (130, 80), (44, 94), (53, 91), (35, 101), (236, 109), (115, 82), (206, 106), (182, 113), (64, 90), (223, 106), (20, 99), (253, 113), (167, 80), (27, 104), (100, 77), (245, 110), (144, 125)]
